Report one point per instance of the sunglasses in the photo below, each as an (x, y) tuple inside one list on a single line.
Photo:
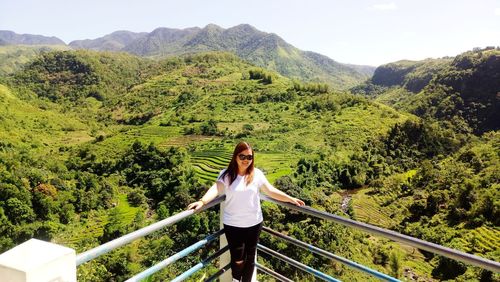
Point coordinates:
[(243, 157)]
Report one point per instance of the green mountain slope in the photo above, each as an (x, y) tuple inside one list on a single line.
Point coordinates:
[(460, 91), (24, 124), (111, 42), (259, 48), (11, 38), (147, 137), (81, 74), (13, 57)]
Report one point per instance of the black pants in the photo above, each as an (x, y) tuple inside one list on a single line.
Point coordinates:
[(242, 243)]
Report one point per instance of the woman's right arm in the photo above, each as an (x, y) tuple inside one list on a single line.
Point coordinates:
[(216, 189)]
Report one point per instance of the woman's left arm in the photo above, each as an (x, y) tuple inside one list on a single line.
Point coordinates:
[(279, 195)]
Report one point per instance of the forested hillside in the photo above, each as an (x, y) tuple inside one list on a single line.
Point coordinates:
[(13, 57), (263, 49), (460, 92), (8, 37), (97, 144)]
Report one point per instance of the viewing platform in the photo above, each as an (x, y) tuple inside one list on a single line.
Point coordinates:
[(37, 260)]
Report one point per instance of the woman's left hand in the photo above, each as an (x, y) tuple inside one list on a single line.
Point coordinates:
[(297, 202)]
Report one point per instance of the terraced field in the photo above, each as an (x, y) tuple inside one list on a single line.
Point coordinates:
[(368, 209), (183, 140), (21, 122), (208, 164), (481, 240), (93, 226), (276, 165)]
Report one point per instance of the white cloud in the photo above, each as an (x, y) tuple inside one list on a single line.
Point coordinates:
[(497, 12), (385, 7)]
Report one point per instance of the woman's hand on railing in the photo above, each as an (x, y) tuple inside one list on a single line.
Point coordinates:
[(297, 202), (196, 205)]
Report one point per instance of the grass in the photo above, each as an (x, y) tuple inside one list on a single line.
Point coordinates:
[(283, 132), (368, 210), (93, 226), (482, 239), (208, 164), (24, 123), (13, 57)]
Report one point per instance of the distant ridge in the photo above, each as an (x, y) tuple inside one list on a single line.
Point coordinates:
[(11, 38), (111, 42), (461, 90), (263, 49)]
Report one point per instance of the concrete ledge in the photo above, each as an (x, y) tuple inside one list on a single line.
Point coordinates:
[(36, 260)]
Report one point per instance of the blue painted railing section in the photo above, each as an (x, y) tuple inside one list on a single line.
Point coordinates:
[(431, 247), (421, 244), (297, 264), (111, 245), (331, 256), (159, 266), (200, 265)]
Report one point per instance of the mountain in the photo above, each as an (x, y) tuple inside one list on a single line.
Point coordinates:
[(74, 75), (260, 48), (111, 42), (94, 145), (160, 39), (14, 57), (367, 70), (462, 91), (9, 37)]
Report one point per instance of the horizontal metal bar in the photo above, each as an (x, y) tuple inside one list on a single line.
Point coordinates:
[(421, 244), (118, 242), (159, 266), (297, 264), (329, 255), (272, 273), (199, 266), (218, 273)]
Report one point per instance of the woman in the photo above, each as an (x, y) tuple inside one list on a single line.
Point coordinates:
[(242, 216)]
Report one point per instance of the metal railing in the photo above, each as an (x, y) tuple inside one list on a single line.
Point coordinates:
[(329, 255), (431, 247), (118, 242), (157, 267), (421, 244), (200, 265), (297, 264), (272, 273)]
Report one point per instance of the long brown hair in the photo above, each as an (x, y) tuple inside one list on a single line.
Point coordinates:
[(232, 168)]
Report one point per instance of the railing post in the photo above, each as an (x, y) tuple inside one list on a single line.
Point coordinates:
[(225, 258), (36, 260)]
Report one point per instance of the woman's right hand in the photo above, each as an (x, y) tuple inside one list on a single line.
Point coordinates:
[(196, 205), (297, 202)]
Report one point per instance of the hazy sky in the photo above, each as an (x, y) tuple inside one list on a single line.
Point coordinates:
[(370, 32)]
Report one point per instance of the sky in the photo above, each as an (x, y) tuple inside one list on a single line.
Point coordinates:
[(364, 32)]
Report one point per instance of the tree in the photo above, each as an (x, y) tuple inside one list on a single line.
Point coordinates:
[(395, 264), (67, 213), (138, 222), (136, 198), (114, 228), (209, 128), (162, 212), (248, 127), (18, 212)]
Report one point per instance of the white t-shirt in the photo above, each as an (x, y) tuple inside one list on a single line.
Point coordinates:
[(243, 201)]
